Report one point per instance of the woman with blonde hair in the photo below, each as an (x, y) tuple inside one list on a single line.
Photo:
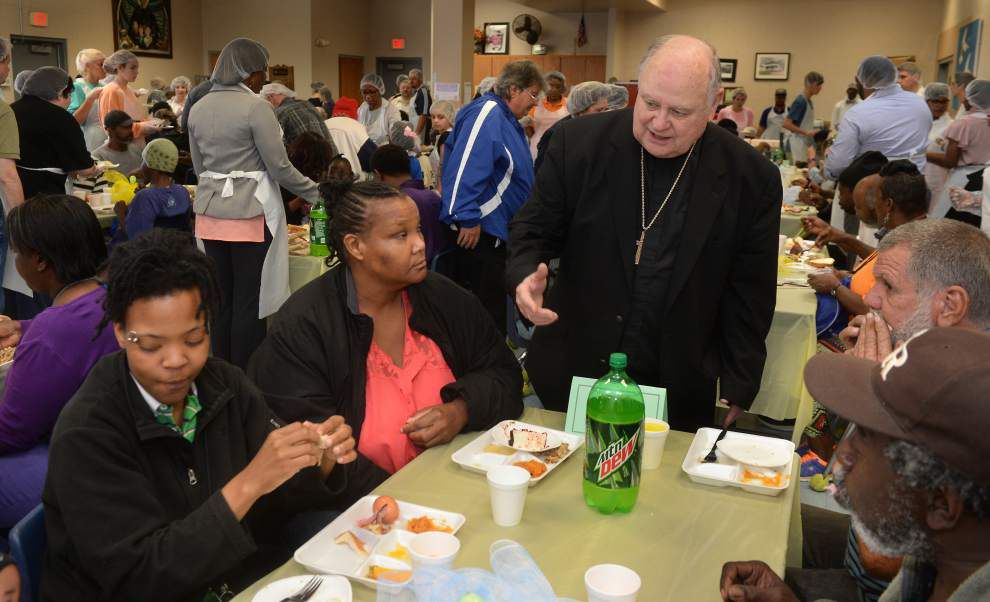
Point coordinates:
[(117, 96), (86, 90)]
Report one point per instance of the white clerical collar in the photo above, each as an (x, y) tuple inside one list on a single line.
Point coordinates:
[(153, 403)]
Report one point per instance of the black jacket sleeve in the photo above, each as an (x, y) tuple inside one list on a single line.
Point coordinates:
[(489, 379), (749, 300), (538, 231), (291, 369), (135, 550)]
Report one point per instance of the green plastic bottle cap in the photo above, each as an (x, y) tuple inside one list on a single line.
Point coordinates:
[(618, 360)]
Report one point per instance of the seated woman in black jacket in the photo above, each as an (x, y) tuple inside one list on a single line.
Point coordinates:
[(407, 357), (168, 476)]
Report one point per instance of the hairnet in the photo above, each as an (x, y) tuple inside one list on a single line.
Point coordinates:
[(445, 108), (585, 94), (485, 86), (402, 135), (402, 77), (936, 90), (156, 83), (978, 94), (375, 80), (876, 72), (47, 83), (618, 97), (275, 88), (5, 49), (118, 60), (239, 58), (20, 79), (87, 56), (558, 75), (181, 80)]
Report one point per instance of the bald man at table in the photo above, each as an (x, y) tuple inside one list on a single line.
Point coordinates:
[(666, 227)]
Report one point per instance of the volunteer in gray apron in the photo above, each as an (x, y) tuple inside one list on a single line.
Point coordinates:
[(800, 128), (237, 152)]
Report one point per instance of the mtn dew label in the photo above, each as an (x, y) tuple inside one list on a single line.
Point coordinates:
[(615, 452), (613, 440)]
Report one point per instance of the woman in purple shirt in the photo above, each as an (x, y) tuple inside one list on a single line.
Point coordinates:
[(59, 249)]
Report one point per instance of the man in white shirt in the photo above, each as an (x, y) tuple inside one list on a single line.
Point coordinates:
[(851, 99), (890, 120), (909, 76)]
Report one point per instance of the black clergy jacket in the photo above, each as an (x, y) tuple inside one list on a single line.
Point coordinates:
[(585, 209)]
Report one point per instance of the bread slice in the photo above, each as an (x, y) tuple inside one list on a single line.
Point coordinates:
[(351, 540)]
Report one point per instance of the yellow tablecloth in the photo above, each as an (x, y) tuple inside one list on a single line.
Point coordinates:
[(792, 341), (677, 537), (303, 268), (790, 224)]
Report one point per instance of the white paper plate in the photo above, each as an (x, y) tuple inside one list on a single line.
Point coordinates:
[(473, 456), (332, 589), (754, 452), (322, 555)]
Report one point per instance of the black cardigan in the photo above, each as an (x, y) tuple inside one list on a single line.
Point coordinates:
[(312, 364), (134, 511)]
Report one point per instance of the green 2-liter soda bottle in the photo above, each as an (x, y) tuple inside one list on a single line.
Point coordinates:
[(318, 231), (613, 440)]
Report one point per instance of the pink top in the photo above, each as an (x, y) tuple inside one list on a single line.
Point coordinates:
[(393, 394), (743, 119), (972, 135), (251, 229), (117, 98)]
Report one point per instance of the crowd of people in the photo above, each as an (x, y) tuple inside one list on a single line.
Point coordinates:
[(170, 398)]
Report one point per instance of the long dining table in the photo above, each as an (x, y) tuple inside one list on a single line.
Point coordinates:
[(676, 538)]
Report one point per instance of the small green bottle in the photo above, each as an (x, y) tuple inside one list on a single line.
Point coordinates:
[(318, 231)]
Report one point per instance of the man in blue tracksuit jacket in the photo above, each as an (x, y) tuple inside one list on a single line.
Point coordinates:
[(487, 176)]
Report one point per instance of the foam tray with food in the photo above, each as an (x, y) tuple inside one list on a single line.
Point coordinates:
[(369, 542), (537, 449), (728, 472)]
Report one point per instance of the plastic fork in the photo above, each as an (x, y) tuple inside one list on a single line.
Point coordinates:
[(711, 457), (306, 592)]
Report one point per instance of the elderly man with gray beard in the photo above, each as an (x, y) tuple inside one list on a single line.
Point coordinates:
[(909, 473)]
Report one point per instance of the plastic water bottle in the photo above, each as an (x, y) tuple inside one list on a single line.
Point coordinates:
[(613, 440), (318, 231)]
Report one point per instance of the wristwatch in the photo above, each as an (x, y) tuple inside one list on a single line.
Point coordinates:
[(835, 290)]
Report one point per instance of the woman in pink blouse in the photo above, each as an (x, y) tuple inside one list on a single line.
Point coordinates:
[(117, 96), (743, 116)]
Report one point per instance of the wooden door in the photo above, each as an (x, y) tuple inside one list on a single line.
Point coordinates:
[(594, 68), (551, 62), (351, 70), (482, 68), (499, 61), (572, 67)]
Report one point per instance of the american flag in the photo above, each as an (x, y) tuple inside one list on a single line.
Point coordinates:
[(582, 35)]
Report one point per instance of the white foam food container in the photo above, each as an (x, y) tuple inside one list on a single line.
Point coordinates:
[(321, 555), (475, 458), (726, 472)]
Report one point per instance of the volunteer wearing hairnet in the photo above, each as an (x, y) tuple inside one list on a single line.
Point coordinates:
[(117, 96), (238, 155), (585, 98), (967, 150), (937, 97), (376, 113), (51, 148), (86, 92), (52, 145), (618, 97), (20, 79), (551, 109), (889, 120)]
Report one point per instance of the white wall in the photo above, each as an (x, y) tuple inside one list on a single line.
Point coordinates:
[(829, 36), (345, 24), (559, 29), (283, 26)]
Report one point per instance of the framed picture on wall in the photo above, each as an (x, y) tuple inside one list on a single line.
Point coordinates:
[(968, 46), (496, 38), (772, 65), (728, 69), (143, 26)]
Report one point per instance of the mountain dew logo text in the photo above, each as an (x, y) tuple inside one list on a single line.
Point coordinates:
[(615, 456)]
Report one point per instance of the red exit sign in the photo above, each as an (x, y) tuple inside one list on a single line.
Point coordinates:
[(398, 43), (38, 19)]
